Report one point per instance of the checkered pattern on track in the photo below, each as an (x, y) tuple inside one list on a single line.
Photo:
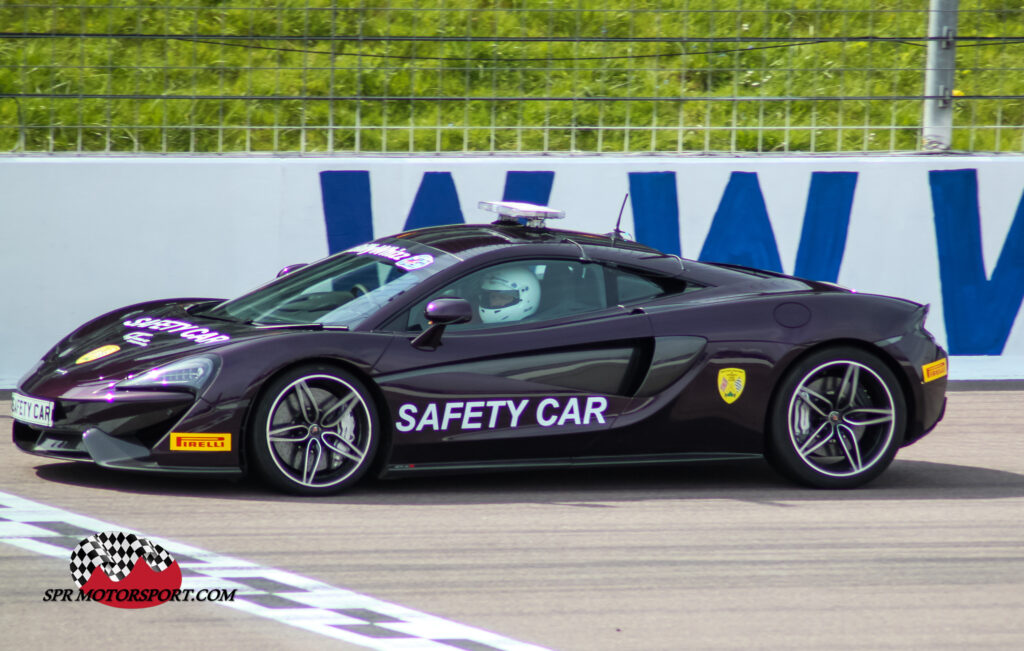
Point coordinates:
[(270, 593)]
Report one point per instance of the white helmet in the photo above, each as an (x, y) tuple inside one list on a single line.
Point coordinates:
[(508, 295)]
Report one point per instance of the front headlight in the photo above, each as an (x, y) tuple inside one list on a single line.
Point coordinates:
[(192, 373)]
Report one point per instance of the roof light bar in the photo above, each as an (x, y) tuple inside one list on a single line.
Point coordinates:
[(510, 211)]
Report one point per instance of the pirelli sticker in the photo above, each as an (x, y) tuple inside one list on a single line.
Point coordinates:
[(187, 442), (935, 370)]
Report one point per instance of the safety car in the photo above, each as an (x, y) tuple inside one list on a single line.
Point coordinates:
[(500, 346)]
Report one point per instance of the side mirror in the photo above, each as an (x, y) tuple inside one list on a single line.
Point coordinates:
[(290, 268), (440, 313), (448, 311)]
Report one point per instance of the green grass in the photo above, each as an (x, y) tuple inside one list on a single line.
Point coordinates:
[(221, 97)]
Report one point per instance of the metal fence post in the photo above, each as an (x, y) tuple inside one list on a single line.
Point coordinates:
[(937, 134)]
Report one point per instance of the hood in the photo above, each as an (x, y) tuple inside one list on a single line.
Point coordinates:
[(135, 339)]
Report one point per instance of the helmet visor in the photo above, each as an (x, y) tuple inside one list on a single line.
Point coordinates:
[(495, 299)]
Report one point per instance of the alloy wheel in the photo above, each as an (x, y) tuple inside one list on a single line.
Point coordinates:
[(318, 431), (841, 418)]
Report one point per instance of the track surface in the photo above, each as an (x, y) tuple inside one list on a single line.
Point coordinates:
[(719, 556)]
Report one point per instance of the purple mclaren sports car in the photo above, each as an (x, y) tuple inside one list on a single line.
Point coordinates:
[(492, 347)]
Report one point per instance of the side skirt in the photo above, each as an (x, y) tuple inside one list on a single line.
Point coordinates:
[(396, 470)]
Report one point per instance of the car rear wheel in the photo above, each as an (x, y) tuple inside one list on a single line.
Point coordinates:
[(314, 432), (837, 420)]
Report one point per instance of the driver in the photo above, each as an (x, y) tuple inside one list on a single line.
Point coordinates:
[(508, 295)]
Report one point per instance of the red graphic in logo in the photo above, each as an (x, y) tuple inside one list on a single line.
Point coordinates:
[(124, 571)]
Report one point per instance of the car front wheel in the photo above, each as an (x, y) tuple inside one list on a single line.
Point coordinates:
[(837, 420), (314, 432)]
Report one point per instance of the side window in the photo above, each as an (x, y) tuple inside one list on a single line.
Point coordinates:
[(631, 287), (521, 291)]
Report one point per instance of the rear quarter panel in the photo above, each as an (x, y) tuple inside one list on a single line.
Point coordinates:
[(762, 334)]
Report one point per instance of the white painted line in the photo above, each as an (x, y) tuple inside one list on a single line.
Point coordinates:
[(37, 547), (271, 593)]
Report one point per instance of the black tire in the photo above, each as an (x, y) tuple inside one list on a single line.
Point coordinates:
[(315, 431), (825, 435)]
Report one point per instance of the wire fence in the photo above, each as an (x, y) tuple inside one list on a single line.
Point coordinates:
[(500, 76)]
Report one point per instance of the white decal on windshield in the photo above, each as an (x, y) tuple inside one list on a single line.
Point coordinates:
[(415, 262), (389, 251)]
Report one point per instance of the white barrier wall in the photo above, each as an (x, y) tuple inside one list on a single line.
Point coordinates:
[(85, 235)]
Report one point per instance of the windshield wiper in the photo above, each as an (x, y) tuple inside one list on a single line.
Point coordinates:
[(207, 315), (306, 326)]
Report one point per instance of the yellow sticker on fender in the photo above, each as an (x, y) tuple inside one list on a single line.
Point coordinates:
[(934, 371), (200, 442), (730, 384)]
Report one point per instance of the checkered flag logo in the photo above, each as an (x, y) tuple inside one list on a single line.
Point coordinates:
[(116, 553)]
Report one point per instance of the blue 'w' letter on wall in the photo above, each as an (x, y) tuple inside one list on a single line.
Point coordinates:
[(655, 210), (741, 232), (531, 187), (349, 216), (347, 212), (979, 312), (826, 223), (436, 202)]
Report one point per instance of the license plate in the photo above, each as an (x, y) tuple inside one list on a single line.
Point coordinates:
[(32, 410)]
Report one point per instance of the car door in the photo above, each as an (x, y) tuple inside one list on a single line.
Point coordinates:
[(539, 386)]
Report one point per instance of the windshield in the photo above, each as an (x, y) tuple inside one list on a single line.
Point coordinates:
[(342, 290)]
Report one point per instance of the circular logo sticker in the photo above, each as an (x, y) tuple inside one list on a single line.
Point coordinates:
[(415, 262), (102, 351), (124, 571)]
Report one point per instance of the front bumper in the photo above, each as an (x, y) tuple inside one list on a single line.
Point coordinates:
[(128, 431), (98, 447)]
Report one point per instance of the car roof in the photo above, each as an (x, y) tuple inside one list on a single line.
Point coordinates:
[(465, 240)]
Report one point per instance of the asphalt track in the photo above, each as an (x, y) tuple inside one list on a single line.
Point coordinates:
[(713, 556)]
